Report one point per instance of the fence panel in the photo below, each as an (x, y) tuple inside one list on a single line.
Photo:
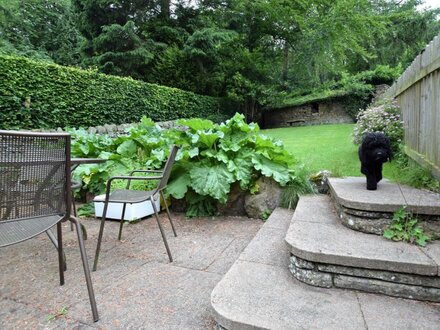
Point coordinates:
[(418, 93)]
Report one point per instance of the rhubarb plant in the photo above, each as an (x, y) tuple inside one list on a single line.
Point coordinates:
[(211, 158)]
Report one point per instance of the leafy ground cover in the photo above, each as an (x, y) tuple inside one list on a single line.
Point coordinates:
[(327, 147)]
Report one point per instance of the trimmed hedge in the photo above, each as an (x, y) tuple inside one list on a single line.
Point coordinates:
[(42, 95)]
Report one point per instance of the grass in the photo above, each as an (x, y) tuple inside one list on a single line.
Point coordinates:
[(327, 147)]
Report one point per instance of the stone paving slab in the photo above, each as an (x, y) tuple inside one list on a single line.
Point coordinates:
[(266, 246), (279, 219), (156, 296), (317, 235), (382, 312), (389, 197), (257, 295), (421, 201), (22, 316), (432, 250), (135, 285), (227, 257)]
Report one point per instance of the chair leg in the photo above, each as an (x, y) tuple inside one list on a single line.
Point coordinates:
[(101, 231), (161, 230), (74, 211), (54, 241), (61, 261), (86, 269), (122, 221), (168, 213)]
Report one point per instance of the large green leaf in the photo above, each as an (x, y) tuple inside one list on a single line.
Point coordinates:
[(242, 167), (193, 152), (147, 122), (212, 180), (238, 123), (197, 123), (159, 154), (220, 155), (127, 148), (233, 142), (178, 187), (207, 138), (279, 172)]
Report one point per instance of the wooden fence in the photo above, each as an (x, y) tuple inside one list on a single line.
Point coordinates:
[(418, 93)]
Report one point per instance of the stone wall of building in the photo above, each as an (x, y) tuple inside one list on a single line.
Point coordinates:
[(308, 114)]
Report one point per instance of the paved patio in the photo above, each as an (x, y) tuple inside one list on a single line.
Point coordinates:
[(135, 285)]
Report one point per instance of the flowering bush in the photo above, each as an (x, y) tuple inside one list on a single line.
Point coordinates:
[(384, 118)]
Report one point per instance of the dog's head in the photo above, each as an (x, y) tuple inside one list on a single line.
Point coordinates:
[(377, 146)]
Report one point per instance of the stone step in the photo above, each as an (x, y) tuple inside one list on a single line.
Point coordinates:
[(259, 292), (351, 193), (327, 254), (372, 211)]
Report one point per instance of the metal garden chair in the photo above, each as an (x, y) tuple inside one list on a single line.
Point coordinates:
[(35, 193), (127, 196)]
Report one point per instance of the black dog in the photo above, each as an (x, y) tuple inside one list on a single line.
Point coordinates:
[(373, 152)]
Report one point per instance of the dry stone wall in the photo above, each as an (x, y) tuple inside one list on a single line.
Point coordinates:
[(308, 114)]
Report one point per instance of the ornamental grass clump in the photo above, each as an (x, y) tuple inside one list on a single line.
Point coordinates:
[(384, 118)]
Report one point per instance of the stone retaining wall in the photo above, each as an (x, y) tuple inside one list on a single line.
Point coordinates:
[(372, 222), (308, 114), (376, 281), (115, 130), (121, 129)]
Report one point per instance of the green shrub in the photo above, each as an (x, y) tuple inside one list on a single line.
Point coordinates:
[(383, 118), (41, 95), (211, 158)]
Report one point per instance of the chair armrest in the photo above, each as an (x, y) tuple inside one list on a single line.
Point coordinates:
[(146, 171), (129, 178)]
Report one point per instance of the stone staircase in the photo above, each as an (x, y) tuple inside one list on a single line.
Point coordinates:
[(329, 250), (311, 268)]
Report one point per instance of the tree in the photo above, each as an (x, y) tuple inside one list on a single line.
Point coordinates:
[(40, 28), (115, 41), (253, 51), (408, 30)]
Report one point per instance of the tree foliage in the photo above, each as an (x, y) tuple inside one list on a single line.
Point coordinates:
[(43, 29), (253, 51)]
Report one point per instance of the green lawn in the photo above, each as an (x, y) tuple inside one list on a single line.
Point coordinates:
[(326, 147)]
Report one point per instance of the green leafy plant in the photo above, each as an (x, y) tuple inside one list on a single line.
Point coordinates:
[(405, 227), (211, 158), (265, 215), (61, 312), (86, 210)]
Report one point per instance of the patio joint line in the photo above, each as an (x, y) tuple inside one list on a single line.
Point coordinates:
[(45, 311), (261, 263), (362, 312), (189, 268), (111, 285), (217, 256)]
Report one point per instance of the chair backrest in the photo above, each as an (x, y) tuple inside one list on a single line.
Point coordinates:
[(167, 169), (34, 175)]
